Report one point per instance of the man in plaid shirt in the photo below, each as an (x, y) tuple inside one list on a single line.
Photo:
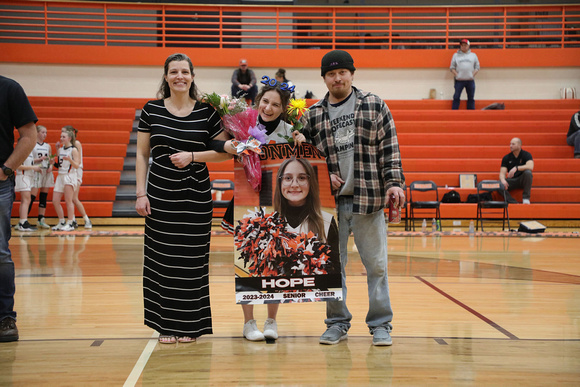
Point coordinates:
[(356, 132)]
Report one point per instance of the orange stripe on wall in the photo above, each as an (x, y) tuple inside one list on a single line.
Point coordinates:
[(295, 58)]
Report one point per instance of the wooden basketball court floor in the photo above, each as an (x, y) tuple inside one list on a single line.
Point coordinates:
[(469, 310)]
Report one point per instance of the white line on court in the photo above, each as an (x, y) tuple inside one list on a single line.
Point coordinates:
[(140, 365)]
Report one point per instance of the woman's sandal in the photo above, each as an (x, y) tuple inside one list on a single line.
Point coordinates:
[(186, 339), (167, 339)]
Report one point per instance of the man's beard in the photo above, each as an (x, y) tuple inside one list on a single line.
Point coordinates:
[(340, 93)]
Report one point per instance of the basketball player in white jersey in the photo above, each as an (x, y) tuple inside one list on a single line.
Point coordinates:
[(76, 200), (44, 179), (66, 181), (24, 176)]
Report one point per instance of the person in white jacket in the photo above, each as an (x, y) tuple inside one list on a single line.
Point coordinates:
[(464, 66)]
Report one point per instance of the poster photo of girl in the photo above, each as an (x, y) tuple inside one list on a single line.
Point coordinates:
[(288, 251)]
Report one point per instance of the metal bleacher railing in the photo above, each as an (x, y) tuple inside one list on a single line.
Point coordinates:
[(283, 27)]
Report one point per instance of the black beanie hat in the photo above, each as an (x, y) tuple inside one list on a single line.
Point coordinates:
[(336, 59)]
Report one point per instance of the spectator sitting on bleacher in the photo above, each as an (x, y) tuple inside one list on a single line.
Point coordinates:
[(244, 82), (573, 136), (516, 171)]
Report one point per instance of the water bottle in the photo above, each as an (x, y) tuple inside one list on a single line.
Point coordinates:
[(434, 225), (424, 226), (471, 227)]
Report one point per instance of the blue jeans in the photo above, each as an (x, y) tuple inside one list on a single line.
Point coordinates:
[(370, 237), (6, 265), (469, 87), (574, 140), (239, 93)]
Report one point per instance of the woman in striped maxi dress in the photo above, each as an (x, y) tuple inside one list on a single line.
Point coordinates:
[(175, 197)]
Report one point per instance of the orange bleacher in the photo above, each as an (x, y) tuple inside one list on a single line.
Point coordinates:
[(104, 127), (439, 144), (436, 144)]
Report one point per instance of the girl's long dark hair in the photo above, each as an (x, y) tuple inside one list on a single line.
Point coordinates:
[(313, 207)]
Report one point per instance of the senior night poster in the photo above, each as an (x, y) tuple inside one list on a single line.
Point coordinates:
[(286, 234)]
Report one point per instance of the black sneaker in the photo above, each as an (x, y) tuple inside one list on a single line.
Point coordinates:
[(8, 330), (27, 227)]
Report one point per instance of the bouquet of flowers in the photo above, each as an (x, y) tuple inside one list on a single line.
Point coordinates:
[(249, 136), (240, 122), (225, 105), (295, 111), (268, 249)]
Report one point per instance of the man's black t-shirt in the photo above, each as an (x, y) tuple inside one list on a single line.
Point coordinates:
[(509, 161), (15, 111)]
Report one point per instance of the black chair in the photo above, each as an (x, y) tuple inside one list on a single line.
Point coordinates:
[(491, 207), (218, 187), (422, 206)]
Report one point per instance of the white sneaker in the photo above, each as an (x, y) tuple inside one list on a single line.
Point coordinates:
[(25, 226), (251, 331), (270, 329), (42, 224), (58, 227), (88, 224), (526, 201), (67, 227)]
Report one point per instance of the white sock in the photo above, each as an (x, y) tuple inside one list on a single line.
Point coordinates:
[(61, 221), (23, 220), (86, 218)]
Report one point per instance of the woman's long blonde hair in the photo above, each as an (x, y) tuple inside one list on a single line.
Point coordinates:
[(72, 133)]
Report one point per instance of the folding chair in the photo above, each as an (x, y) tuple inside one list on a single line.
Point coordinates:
[(424, 206), (491, 207)]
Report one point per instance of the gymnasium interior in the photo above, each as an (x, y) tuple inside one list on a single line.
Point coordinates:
[(494, 304)]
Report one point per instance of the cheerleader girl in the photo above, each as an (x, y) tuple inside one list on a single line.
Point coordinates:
[(272, 103), (66, 181)]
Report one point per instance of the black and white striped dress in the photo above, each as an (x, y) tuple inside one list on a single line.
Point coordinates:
[(177, 233)]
